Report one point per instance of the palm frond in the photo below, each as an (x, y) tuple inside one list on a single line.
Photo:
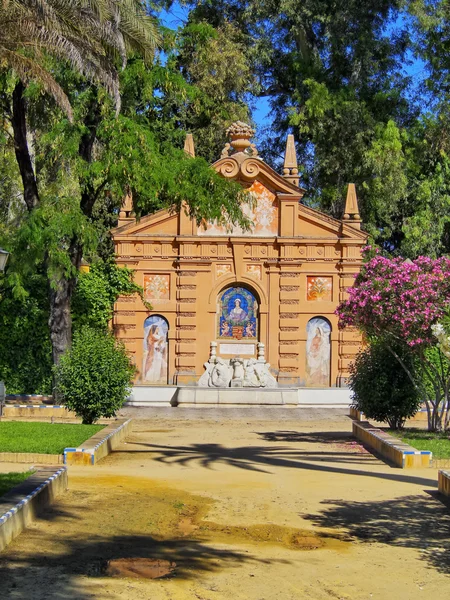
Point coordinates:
[(90, 34), (28, 69)]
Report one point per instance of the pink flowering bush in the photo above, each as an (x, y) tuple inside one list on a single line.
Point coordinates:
[(401, 302)]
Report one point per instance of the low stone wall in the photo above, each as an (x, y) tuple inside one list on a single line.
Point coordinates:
[(191, 396), (37, 411), (20, 506), (99, 445), (31, 457), (146, 395), (394, 450), (444, 482)]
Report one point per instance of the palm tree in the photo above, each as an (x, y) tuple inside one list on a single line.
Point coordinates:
[(94, 36)]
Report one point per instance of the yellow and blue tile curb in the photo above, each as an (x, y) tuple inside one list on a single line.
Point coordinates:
[(20, 506), (392, 449), (99, 445)]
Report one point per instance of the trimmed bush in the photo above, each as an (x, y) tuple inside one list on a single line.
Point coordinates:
[(381, 387), (94, 377)]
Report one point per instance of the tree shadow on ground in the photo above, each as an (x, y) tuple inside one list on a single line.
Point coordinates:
[(316, 437), (89, 557), (262, 458), (420, 522)]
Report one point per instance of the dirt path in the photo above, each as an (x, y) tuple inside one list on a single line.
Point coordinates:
[(275, 509)]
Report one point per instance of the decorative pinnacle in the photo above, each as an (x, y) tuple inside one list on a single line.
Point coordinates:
[(351, 206), (290, 170), (189, 147)]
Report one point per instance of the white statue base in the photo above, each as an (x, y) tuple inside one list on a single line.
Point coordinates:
[(237, 372)]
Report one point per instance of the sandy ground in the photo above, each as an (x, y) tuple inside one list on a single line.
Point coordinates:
[(261, 505)]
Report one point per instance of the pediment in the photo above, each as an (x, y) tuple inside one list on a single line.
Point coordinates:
[(314, 223), (246, 170), (162, 222)]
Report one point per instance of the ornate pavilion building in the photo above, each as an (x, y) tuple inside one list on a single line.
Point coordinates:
[(232, 309)]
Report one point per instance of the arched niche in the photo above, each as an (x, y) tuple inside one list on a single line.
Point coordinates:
[(237, 313), (247, 282), (155, 361), (318, 352)]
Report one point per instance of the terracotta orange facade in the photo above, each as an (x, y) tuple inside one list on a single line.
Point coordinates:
[(278, 284)]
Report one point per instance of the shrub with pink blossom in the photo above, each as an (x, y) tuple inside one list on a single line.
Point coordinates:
[(401, 302)]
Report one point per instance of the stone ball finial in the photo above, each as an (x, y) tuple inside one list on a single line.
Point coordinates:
[(240, 134)]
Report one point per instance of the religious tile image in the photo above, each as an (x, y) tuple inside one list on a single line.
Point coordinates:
[(262, 211), (238, 310), (156, 287), (319, 289), (318, 353), (254, 271), (155, 350), (222, 270)]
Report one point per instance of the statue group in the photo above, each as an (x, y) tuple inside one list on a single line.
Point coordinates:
[(237, 372)]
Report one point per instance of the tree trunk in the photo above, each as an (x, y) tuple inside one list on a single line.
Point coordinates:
[(19, 125), (60, 321)]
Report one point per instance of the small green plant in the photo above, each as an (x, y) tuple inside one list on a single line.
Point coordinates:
[(382, 388), (94, 377)]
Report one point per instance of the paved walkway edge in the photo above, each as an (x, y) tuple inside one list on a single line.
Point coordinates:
[(394, 450), (99, 445), (21, 505)]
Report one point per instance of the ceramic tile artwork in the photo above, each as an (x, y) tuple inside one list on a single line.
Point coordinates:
[(238, 313), (319, 289), (222, 270), (318, 353), (254, 271), (156, 287), (154, 367), (262, 211)]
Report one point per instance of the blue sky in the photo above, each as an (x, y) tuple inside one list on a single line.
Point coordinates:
[(177, 16)]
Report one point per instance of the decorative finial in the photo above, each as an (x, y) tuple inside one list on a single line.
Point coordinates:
[(126, 210), (189, 145), (240, 134), (351, 206), (290, 169)]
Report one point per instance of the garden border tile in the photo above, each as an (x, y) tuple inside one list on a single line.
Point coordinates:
[(99, 445), (21, 505), (394, 450)]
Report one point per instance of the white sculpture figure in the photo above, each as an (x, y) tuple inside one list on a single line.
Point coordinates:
[(237, 372), (238, 368), (251, 378), (204, 380), (220, 374), (266, 379)]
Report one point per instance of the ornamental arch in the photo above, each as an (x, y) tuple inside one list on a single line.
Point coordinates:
[(297, 262)]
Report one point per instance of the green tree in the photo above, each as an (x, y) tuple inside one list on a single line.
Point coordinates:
[(381, 387), (94, 377), (75, 174)]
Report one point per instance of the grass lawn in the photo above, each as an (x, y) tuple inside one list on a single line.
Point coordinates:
[(437, 443), (10, 480), (43, 438)]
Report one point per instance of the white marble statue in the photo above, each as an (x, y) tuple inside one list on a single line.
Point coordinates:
[(237, 372)]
